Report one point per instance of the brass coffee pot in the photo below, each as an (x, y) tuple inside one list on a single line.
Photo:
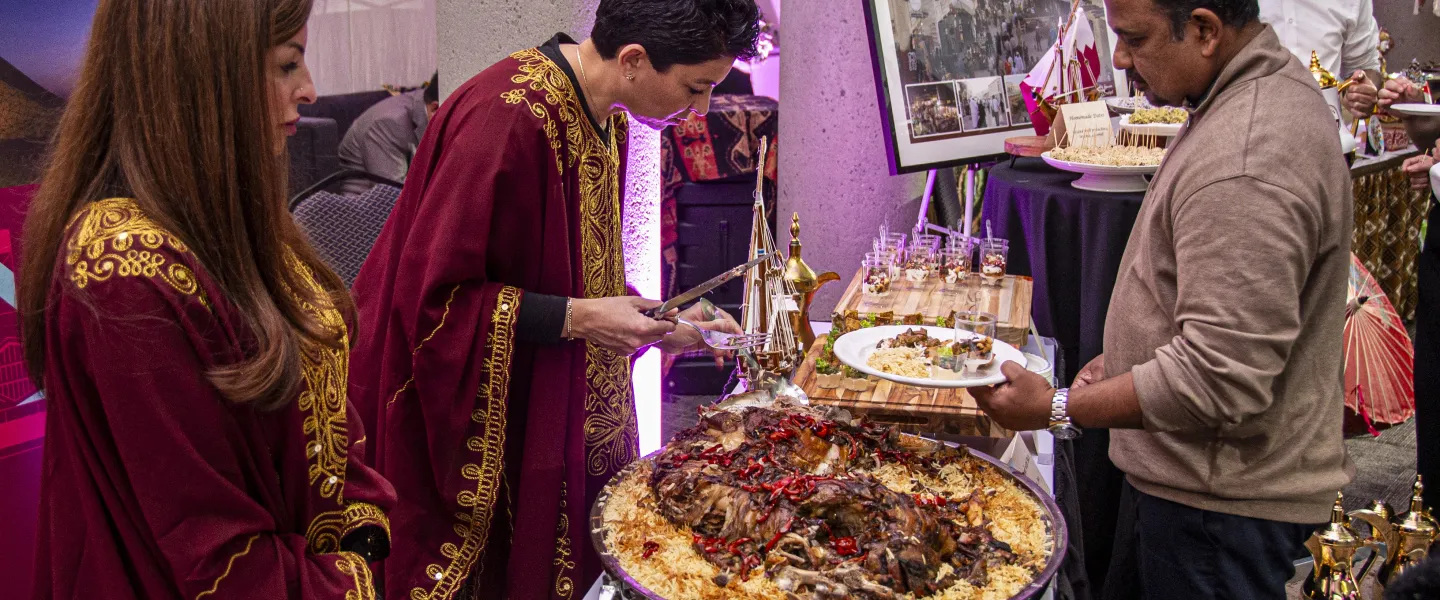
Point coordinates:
[(1410, 536), (1334, 547), (805, 282)]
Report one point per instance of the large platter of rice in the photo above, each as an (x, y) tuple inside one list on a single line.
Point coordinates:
[(624, 523), (907, 366)]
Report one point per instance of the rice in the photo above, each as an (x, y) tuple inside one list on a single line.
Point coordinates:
[(678, 572), (905, 362), (1111, 156)]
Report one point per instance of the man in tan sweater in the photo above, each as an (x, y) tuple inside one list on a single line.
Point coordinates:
[(1222, 376)]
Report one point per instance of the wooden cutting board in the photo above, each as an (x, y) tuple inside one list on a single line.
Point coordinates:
[(923, 410)]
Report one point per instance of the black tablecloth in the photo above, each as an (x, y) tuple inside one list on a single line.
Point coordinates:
[(1070, 241)]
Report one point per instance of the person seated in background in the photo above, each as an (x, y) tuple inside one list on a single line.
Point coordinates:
[(383, 140), (1345, 35)]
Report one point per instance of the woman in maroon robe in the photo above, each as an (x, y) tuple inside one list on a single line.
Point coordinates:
[(497, 332), (192, 348)]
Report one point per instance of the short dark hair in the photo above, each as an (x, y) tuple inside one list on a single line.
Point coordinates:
[(1232, 13), (432, 89), (1422, 581), (684, 32)]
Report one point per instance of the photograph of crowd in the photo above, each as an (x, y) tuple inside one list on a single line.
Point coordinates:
[(983, 103), (1018, 112), (963, 40), (933, 109)]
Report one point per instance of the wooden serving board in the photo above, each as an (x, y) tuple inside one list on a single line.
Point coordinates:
[(950, 412), (914, 410)]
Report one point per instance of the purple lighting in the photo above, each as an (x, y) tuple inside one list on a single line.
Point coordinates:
[(642, 267)]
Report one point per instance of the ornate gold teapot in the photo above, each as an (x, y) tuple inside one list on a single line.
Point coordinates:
[(1410, 536), (1334, 547), (805, 282)]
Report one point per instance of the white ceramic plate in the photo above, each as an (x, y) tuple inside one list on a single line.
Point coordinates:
[(854, 349), (1104, 178), (1415, 110), (1160, 129), (1125, 106)]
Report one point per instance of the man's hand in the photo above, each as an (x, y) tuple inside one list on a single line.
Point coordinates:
[(1418, 169), (617, 324), (1094, 372), (1362, 96), (685, 339), (1399, 91), (1022, 404)]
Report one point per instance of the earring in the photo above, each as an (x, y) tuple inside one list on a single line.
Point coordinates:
[(630, 76)]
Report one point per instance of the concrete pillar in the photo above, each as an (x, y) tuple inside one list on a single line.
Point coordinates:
[(833, 166), (474, 34)]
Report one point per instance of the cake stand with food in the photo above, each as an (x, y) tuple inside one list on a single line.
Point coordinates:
[(784, 500)]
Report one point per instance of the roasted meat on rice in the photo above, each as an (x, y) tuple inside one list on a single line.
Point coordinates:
[(786, 493)]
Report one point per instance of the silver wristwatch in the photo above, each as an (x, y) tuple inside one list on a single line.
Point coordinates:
[(1060, 425)]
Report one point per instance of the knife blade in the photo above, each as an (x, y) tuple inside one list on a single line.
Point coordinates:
[(704, 288)]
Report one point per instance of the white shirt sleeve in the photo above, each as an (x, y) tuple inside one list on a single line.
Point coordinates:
[(1435, 178), (1361, 49)]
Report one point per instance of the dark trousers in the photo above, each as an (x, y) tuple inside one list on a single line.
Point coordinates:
[(1427, 364), (1165, 550)]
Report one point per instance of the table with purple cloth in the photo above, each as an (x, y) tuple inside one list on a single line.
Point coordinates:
[(1070, 241)]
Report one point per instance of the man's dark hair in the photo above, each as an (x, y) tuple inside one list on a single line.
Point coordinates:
[(1232, 13), (432, 89), (683, 32), (1421, 582)]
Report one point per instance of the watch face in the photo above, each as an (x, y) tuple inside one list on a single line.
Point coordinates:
[(1065, 432)]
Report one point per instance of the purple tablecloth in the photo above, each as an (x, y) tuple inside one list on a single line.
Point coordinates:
[(1070, 241)]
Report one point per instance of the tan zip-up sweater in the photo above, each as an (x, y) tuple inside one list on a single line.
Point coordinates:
[(1229, 307)]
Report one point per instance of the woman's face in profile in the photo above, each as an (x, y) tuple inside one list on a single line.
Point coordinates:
[(290, 84), (662, 99)]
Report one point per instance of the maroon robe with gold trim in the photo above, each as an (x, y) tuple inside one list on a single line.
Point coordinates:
[(156, 487), (497, 448)]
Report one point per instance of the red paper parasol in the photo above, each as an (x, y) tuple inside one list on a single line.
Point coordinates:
[(1379, 358)]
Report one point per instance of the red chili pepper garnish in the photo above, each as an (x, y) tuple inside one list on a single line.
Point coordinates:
[(846, 546), (650, 548), (783, 434), (736, 543), (696, 538), (779, 534), (748, 565)]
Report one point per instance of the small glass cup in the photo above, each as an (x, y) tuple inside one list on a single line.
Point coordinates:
[(927, 240), (877, 271), (955, 265), (920, 263), (975, 331), (994, 254)]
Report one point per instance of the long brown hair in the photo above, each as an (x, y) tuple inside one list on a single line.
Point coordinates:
[(172, 109)]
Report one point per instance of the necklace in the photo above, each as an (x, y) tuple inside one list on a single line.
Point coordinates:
[(585, 79)]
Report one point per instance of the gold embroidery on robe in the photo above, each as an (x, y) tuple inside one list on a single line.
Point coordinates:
[(564, 586), (116, 239), (489, 447), (611, 433), (353, 565)]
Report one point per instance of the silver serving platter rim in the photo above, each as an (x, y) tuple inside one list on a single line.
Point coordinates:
[(628, 588)]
